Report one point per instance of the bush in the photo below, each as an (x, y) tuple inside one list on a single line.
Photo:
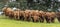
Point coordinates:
[(1, 6), (12, 4)]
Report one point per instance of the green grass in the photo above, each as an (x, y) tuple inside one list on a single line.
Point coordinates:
[(6, 22)]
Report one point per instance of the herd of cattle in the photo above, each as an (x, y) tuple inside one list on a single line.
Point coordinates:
[(31, 15)]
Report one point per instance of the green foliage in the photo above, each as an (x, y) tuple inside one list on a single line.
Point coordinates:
[(22, 4), (1, 6), (12, 4)]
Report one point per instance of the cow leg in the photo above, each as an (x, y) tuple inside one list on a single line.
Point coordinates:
[(24, 18), (11, 16), (47, 20), (41, 19), (16, 17), (58, 19), (28, 18), (32, 19), (6, 14), (37, 20), (21, 18), (52, 20)]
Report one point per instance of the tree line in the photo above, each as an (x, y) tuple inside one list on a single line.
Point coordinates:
[(45, 5)]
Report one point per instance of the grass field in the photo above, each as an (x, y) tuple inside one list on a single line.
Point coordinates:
[(6, 22)]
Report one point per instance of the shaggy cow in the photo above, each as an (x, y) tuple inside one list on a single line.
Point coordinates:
[(21, 14), (16, 14), (58, 16), (4, 10), (27, 15), (35, 15), (42, 16), (50, 16), (8, 12)]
